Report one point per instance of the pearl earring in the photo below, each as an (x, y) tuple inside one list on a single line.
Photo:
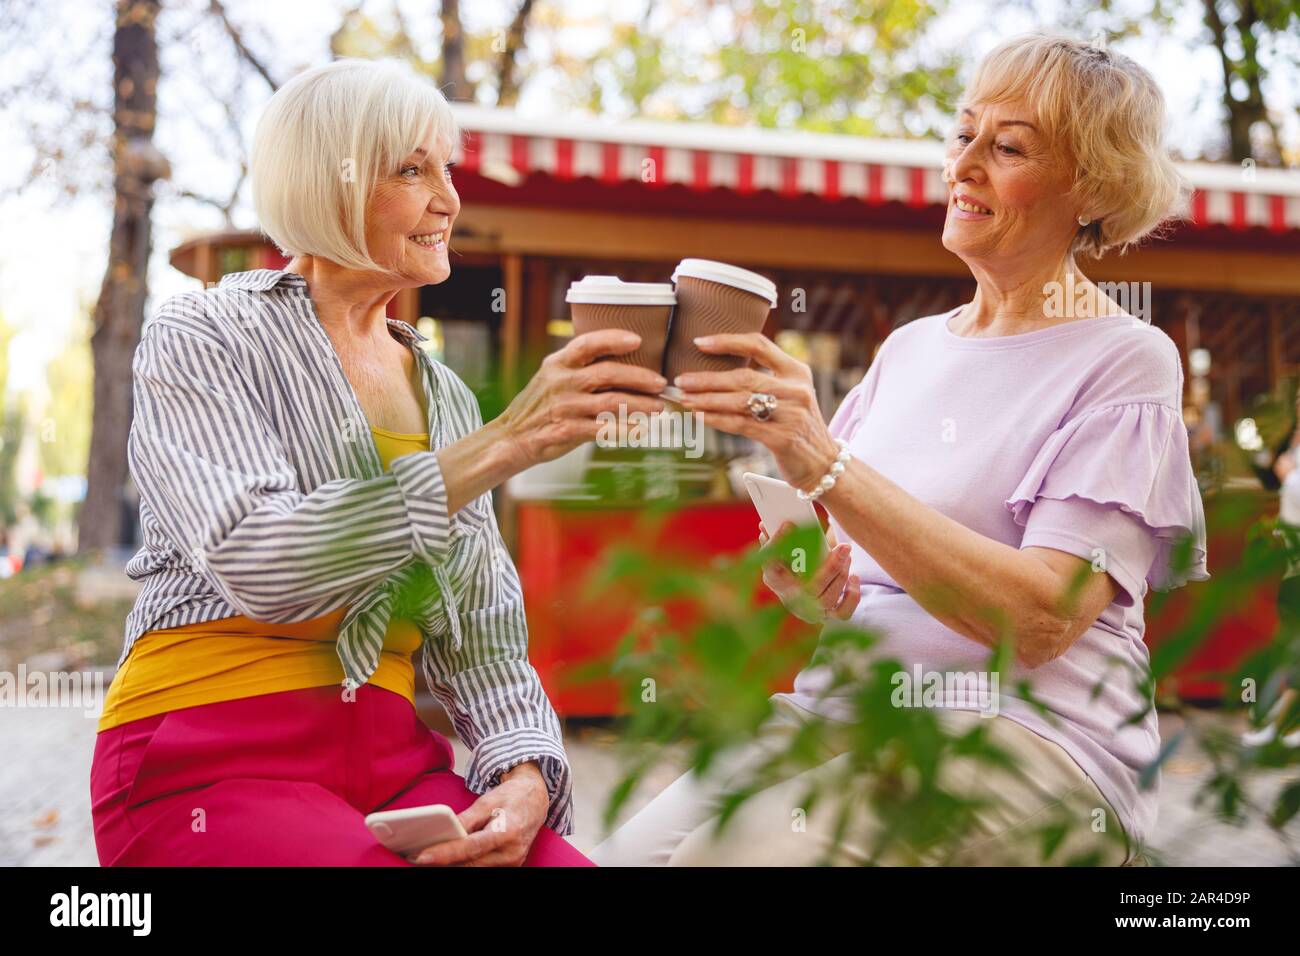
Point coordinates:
[(1084, 220)]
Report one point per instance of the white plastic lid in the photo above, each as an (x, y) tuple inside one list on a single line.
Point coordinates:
[(733, 276), (611, 290)]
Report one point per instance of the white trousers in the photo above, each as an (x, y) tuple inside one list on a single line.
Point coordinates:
[(777, 826)]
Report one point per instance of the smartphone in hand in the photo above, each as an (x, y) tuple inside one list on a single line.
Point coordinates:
[(410, 830), (777, 502)]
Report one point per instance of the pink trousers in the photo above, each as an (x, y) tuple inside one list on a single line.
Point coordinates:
[(281, 779)]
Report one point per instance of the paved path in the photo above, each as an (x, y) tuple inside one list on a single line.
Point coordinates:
[(45, 805)]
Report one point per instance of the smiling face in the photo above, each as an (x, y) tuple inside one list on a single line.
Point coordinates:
[(1009, 195), (410, 214)]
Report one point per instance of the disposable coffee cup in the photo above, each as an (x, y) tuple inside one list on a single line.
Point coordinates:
[(712, 298), (607, 302)]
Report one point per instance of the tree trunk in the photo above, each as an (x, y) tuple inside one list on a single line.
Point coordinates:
[(455, 86), (119, 312), (507, 68), (1242, 114)]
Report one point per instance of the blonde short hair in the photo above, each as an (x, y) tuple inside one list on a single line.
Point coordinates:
[(325, 139), (1107, 115)]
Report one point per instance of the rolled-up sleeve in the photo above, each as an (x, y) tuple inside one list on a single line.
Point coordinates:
[(211, 468), (487, 685)]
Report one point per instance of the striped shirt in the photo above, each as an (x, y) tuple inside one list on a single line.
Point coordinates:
[(262, 494)]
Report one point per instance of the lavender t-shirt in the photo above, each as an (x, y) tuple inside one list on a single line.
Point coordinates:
[(1069, 437)]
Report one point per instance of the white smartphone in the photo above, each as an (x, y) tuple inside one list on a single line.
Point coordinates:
[(777, 502), (414, 828)]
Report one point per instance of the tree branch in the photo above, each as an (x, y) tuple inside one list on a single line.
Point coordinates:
[(237, 39)]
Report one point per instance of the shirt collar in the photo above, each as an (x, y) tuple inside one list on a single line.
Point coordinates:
[(260, 280), (263, 280), (407, 331)]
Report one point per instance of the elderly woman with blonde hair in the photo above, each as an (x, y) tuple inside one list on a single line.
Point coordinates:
[(315, 499), (1005, 470)]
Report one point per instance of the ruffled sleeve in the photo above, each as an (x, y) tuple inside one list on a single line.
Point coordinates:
[(1132, 458)]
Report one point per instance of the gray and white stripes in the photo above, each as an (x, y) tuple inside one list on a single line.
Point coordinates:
[(262, 494)]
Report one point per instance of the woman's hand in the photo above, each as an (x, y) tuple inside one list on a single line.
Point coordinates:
[(501, 824), (796, 434), (554, 413), (830, 592), (557, 410)]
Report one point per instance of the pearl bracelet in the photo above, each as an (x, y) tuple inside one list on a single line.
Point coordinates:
[(832, 476)]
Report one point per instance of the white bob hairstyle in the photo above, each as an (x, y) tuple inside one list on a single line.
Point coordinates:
[(323, 141)]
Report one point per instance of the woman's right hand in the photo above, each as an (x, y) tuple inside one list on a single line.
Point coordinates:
[(830, 592), (557, 410), (554, 413)]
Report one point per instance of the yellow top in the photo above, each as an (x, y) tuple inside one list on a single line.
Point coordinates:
[(238, 657)]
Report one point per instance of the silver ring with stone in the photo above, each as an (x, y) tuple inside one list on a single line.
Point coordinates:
[(761, 406)]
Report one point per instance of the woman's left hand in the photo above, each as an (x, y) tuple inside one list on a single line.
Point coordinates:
[(796, 433), (501, 824)]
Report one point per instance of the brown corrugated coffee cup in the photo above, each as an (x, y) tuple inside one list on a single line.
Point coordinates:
[(714, 297), (607, 302)]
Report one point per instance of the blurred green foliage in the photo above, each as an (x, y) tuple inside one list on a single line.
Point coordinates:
[(700, 683)]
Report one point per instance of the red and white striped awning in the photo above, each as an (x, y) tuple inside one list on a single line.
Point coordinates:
[(506, 147)]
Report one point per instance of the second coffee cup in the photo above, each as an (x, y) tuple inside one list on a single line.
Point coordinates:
[(714, 297), (607, 302)]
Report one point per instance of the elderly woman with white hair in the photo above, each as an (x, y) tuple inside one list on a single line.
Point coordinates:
[(315, 499), (1016, 468)]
